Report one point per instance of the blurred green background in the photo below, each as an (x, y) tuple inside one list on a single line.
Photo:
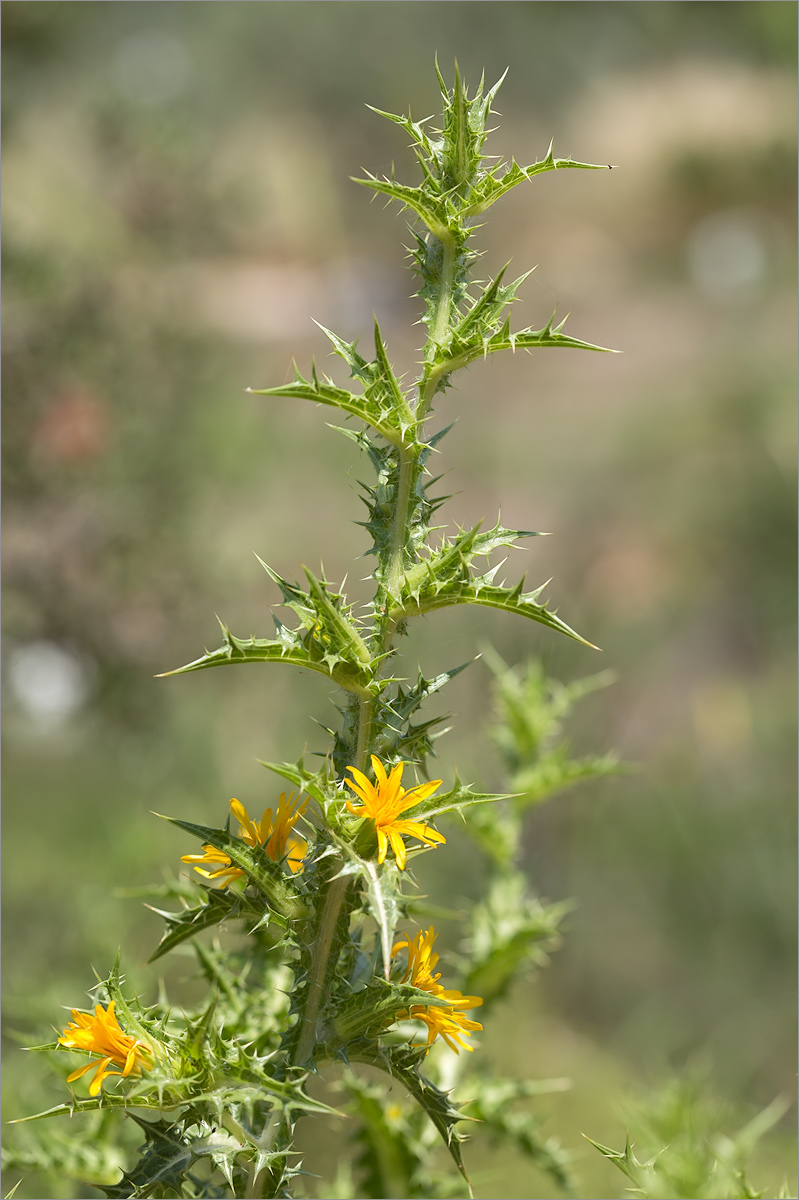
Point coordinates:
[(177, 207)]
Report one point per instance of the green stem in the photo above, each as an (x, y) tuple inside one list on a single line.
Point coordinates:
[(324, 932), (364, 732), (399, 526), (323, 942), (440, 328)]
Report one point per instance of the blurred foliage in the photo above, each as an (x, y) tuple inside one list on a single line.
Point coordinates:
[(157, 260), (679, 1125)]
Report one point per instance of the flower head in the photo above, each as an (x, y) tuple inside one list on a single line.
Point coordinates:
[(447, 1020), (384, 801), (101, 1034), (275, 835)]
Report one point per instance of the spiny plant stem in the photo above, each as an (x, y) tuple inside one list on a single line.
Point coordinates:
[(399, 524), (408, 475), (323, 941), (409, 458), (443, 307), (364, 732)]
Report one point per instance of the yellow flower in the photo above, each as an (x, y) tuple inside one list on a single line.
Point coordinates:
[(384, 803), (101, 1034), (274, 835), (448, 1021)]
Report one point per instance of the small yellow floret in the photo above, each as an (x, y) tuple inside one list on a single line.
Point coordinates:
[(446, 1020), (276, 836), (383, 802), (101, 1034)]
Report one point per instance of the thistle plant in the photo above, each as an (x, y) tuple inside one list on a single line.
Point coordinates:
[(331, 971)]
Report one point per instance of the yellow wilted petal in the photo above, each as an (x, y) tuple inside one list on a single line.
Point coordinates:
[(441, 1020), (101, 1034), (274, 835)]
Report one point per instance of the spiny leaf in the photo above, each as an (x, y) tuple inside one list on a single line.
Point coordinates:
[(313, 782), (475, 591), (625, 1160), (285, 1094), (464, 131), (493, 185), (391, 383), (460, 796), (220, 904), (336, 621), (164, 1159), (484, 314), (105, 1100), (286, 648), (459, 160), (346, 350), (485, 543), (282, 897), (529, 339), (448, 563), (414, 128), (549, 335), (402, 1063), (130, 1012), (293, 597), (429, 209), (396, 738), (381, 386), (332, 635), (379, 417), (461, 352)]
